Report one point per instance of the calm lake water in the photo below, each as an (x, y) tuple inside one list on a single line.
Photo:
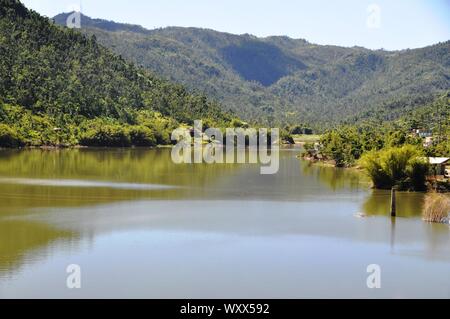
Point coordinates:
[(140, 226)]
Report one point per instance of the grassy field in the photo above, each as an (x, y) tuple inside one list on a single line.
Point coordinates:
[(306, 138)]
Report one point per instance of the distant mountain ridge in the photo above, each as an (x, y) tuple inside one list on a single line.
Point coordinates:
[(88, 22), (283, 80)]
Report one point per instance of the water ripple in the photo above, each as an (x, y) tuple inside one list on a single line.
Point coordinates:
[(83, 183)]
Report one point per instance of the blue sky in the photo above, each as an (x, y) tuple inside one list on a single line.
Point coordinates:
[(391, 24)]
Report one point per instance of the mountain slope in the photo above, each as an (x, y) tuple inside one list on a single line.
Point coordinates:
[(61, 75), (283, 80)]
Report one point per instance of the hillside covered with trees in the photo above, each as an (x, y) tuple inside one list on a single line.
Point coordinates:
[(58, 86), (393, 152), (346, 144), (279, 80)]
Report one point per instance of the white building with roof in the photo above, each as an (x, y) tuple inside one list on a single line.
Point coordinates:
[(439, 164)]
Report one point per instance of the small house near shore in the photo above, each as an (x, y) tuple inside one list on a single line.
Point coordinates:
[(439, 164)]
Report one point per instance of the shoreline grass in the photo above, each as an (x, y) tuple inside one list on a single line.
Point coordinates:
[(436, 208)]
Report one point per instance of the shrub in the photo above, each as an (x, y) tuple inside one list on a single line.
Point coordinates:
[(396, 166), (342, 146), (309, 150), (286, 137), (160, 126), (417, 171), (374, 168), (236, 123), (296, 130), (436, 208), (106, 135), (9, 137), (142, 136), (308, 131)]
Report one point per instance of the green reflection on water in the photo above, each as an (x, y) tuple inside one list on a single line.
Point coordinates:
[(138, 166), (408, 204), (20, 234), (17, 238), (336, 178)]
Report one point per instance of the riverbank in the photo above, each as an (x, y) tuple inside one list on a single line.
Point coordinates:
[(432, 183), (313, 160), (283, 143), (74, 147)]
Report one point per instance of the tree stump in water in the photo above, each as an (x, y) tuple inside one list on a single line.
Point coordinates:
[(393, 203)]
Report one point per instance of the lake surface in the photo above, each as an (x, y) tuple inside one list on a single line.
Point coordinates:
[(140, 226)]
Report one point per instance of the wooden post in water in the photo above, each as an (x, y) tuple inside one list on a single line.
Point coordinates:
[(393, 203)]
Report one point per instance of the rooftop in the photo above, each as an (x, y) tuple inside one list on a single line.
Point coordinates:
[(438, 160)]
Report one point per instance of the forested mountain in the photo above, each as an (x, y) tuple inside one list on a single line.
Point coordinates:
[(283, 80), (58, 84)]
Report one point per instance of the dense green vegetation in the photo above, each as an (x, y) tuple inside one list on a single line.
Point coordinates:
[(279, 80), (403, 167), (346, 144), (58, 86), (9, 137), (392, 152), (23, 127)]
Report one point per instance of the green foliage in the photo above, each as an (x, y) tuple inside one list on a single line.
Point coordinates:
[(346, 144), (150, 129), (396, 166), (343, 146), (161, 126), (142, 136), (236, 123), (296, 130), (434, 117), (309, 150), (299, 130), (286, 137), (38, 129), (100, 133), (441, 149), (391, 152), (417, 171), (9, 137), (55, 81), (260, 61), (279, 80), (58, 78)]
